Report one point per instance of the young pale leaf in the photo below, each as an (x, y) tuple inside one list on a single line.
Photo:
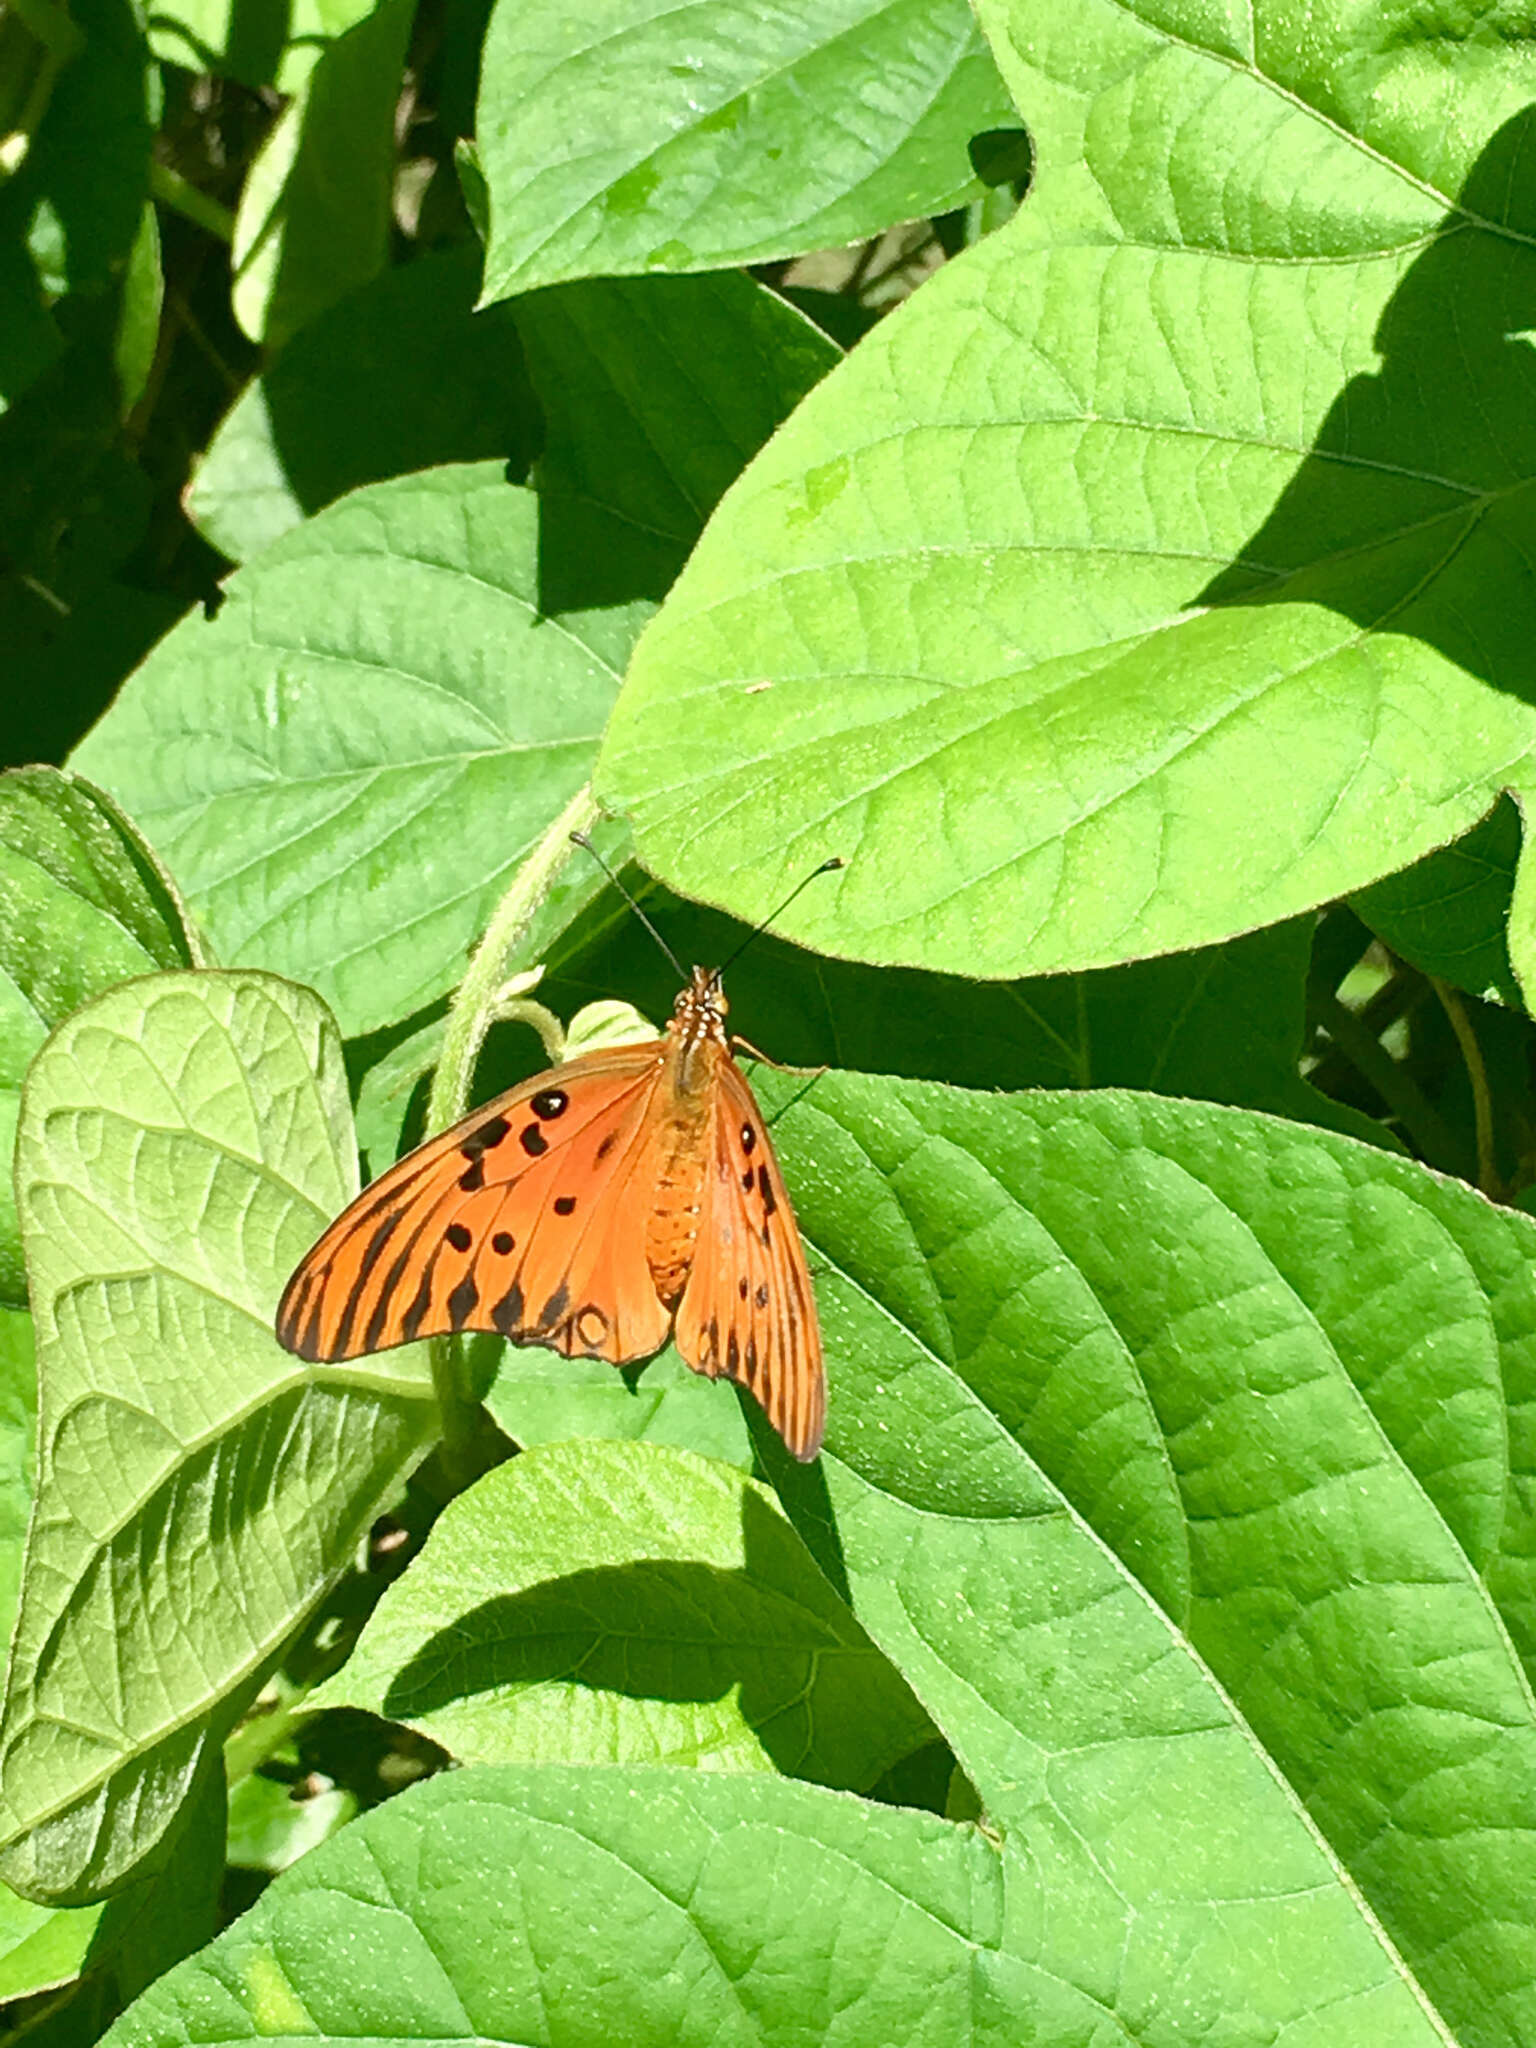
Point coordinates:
[(541, 1399), (1160, 569), (183, 1139), (667, 1909), (635, 138), (82, 905), (345, 767), (1181, 1460), (628, 1604), (400, 375)]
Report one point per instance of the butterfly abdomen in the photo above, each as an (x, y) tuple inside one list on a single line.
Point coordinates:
[(672, 1227)]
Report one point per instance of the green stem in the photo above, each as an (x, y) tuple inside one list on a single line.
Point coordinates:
[(1477, 1073), (1397, 1088), (183, 197), (470, 1016)]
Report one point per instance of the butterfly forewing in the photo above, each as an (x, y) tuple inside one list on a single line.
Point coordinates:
[(499, 1224), (748, 1311)]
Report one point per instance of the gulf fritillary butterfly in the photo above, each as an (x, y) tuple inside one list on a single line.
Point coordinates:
[(593, 1209)]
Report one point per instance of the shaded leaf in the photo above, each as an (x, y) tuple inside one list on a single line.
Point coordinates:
[(400, 375), (82, 905), (313, 221)]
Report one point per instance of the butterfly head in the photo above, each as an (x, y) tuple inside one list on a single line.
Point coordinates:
[(699, 1011)]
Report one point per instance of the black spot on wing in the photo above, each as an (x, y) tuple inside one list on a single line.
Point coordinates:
[(765, 1189), (741, 1287), (761, 1297), (502, 1243), (463, 1301), (748, 1137), (458, 1236), (507, 1314), (554, 1310), (606, 1144), (564, 1204), (415, 1315), (486, 1138), (550, 1103), (473, 1176), (532, 1140)]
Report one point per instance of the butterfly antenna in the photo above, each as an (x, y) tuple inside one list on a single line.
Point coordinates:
[(826, 868), (581, 839)]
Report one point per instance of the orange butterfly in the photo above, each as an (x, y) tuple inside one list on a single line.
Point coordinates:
[(606, 1202)]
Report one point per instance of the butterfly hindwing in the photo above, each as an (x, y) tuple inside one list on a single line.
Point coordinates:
[(502, 1223), (748, 1312)]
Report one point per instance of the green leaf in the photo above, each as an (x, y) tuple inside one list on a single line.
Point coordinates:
[(620, 1603), (336, 769), (314, 216), (262, 45), (635, 140), (138, 331), (183, 1139), (685, 1910), (1449, 913), (400, 375), (1089, 1353), (539, 1398), (82, 905), (1157, 570), (18, 1422), (130, 1940), (656, 394)]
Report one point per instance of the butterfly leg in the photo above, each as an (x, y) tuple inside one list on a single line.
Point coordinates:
[(740, 1044)]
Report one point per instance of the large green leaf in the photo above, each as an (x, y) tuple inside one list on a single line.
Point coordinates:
[(581, 1908), (1288, 1384), (400, 375), (584, 1605), (1160, 569), (346, 766), (82, 905), (633, 138), (182, 1140), (1200, 1531)]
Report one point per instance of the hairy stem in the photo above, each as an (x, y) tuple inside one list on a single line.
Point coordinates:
[(474, 1009)]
